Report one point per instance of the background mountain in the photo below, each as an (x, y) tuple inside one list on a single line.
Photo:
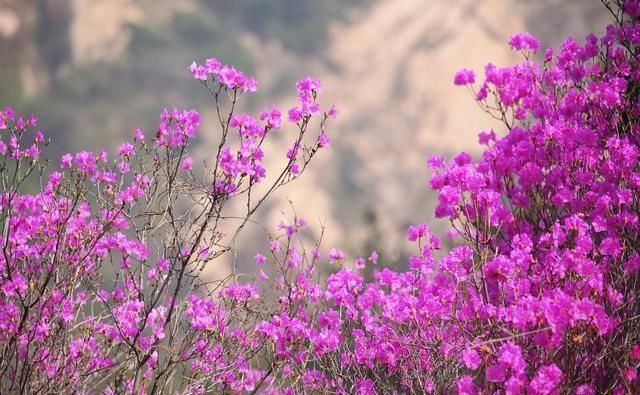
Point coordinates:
[(94, 71)]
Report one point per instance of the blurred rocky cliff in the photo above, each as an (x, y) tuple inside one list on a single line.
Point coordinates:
[(95, 70)]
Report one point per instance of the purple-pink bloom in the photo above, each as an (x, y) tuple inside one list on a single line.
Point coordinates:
[(547, 380), (524, 42), (465, 386), (187, 163), (470, 358), (464, 77), (336, 255)]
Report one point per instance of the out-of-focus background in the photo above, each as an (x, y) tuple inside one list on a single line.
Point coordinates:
[(95, 70)]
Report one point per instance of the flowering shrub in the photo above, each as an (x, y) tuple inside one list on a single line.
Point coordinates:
[(100, 271), (100, 276)]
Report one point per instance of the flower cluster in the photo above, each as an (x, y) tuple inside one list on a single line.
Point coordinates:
[(542, 295), (100, 267), (226, 75), (100, 270), (176, 128)]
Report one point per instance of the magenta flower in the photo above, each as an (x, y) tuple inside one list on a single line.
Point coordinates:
[(524, 42), (465, 386), (546, 380), (464, 77), (470, 359), (109, 271), (187, 164), (336, 255)]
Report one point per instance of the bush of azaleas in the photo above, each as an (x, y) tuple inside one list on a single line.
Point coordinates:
[(101, 286)]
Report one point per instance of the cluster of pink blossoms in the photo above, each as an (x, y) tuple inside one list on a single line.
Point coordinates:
[(542, 294), (227, 75), (100, 271)]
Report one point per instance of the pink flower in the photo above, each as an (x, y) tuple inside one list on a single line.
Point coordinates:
[(294, 115), (199, 72), (323, 141), (85, 162), (465, 386), (272, 118), (332, 112), (546, 380), (163, 265), (470, 358), (213, 66), (263, 276), (511, 355), (635, 352), (496, 373), (416, 232), (274, 246), (127, 150), (336, 255), (524, 42), (187, 163), (66, 161), (464, 77), (631, 373), (152, 274), (138, 136)]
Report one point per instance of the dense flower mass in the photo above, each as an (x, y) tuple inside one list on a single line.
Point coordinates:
[(100, 275), (100, 269)]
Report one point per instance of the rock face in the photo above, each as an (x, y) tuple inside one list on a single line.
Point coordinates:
[(98, 31), (9, 23), (390, 72), (388, 68)]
